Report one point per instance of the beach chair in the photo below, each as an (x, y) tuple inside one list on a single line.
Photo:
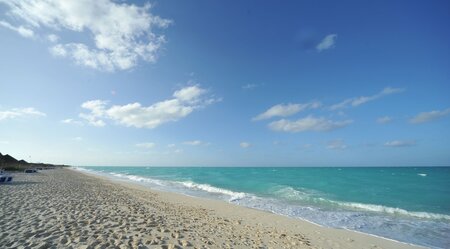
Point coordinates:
[(4, 178)]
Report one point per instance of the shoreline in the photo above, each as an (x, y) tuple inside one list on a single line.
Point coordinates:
[(143, 185), (66, 207), (204, 200)]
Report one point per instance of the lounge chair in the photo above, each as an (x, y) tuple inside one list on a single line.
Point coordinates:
[(4, 178)]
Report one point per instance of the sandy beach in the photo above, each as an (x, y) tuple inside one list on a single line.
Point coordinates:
[(64, 208)]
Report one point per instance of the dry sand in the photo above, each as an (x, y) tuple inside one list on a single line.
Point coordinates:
[(67, 209)]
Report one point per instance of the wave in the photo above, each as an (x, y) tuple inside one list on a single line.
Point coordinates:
[(232, 196), (290, 193), (188, 185), (82, 169), (139, 179), (392, 210), (215, 190), (313, 197), (124, 176)]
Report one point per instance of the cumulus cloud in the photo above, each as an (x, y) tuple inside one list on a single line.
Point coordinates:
[(285, 110), (145, 145), (400, 143), (189, 94), (309, 123), (21, 30), (327, 42), (122, 33), (353, 102), (337, 144), (424, 117), (183, 103), (20, 112), (384, 120), (245, 145), (97, 110)]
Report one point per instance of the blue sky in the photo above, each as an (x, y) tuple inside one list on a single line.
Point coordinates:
[(209, 83)]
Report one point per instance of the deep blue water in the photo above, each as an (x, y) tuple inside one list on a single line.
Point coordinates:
[(406, 204)]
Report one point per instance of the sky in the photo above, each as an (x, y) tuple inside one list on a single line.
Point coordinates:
[(220, 83)]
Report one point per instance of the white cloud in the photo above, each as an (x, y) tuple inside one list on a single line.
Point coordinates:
[(185, 101), (71, 121), (146, 145), (58, 50), (52, 38), (20, 112), (193, 143), (282, 110), (245, 145), (308, 123), (400, 143), (384, 120), (67, 121), (21, 30), (327, 42), (97, 107), (78, 139), (337, 144), (92, 120), (424, 117), (189, 94), (149, 117), (122, 33), (353, 102), (97, 111), (171, 145)]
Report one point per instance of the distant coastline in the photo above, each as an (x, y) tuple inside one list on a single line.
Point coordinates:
[(10, 163)]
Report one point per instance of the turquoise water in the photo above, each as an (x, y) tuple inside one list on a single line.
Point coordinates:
[(406, 204)]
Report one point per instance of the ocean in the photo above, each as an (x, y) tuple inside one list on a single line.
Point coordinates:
[(408, 204)]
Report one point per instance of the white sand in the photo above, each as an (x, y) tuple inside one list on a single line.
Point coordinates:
[(67, 209)]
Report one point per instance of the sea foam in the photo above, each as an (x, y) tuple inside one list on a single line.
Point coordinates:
[(215, 190), (392, 210)]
